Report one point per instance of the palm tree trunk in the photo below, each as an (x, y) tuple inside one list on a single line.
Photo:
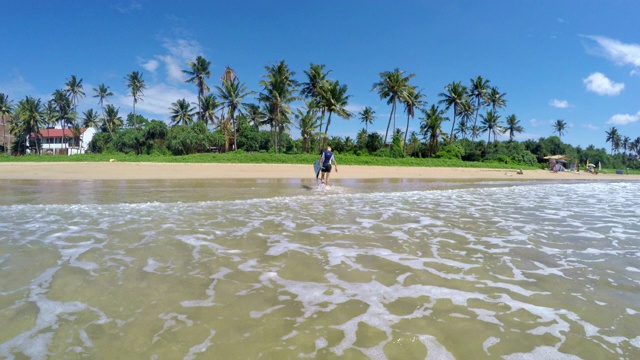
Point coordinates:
[(393, 110), (406, 132), (455, 111)]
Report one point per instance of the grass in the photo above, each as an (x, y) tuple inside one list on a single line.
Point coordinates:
[(241, 157)]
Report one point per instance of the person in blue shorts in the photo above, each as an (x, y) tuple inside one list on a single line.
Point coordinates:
[(326, 159)]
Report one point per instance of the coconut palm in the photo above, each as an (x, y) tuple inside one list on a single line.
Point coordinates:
[(197, 74), (308, 120), (412, 99), (65, 115), (90, 118), (455, 95), (208, 106), (392, 86), (136, 84), (232, 94), (278, 91), (6, 109), (256, 114), (334, 99), (74, 90), (316, 80), (102, 93), (478, 92), (496, 99), (228, 74), (613, 137), (28, 119), (466, 115), (431, 128), (491, 124), (559, 127), (513, 126), (624, 144), (367, 115), (182, 113), (112, 119)]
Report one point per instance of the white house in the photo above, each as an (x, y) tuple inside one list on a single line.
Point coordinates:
[(52, 140)]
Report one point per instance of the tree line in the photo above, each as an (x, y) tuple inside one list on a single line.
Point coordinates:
[(223, 119)]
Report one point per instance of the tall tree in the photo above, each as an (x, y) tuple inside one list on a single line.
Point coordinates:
[(307, 122), (466, 114), (208, 106), (496, 99), (278, 91), (74, 90), (136, 84), (90, 119), (65, 115), (102, 93), (182, 113), (198, 73), (112, 119), (392, 86), (311, 89), (367, 115), (412, 99), (478, 92), (28, 120), (613, 137), (455, 95), (491, 124), (334, 98), (559, 127), (256, 115), (6, 109), (513, 126), (232, 94), (431, 128)]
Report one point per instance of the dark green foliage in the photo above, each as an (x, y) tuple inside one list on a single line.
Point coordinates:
[(184, 140), (374, 142), (452, 151)]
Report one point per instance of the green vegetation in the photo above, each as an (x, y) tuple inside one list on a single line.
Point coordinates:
[(223, 127)]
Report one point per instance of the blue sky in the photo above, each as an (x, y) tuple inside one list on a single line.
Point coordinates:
[(576, 60)]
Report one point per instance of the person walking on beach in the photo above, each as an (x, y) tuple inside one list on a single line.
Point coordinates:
[(325, 159)]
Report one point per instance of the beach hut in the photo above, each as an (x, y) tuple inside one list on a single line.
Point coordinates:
[(560, 160)]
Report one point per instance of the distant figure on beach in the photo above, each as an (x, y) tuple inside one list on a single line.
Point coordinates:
[(325, 159)]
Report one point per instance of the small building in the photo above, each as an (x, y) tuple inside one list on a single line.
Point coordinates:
[(52, 140)]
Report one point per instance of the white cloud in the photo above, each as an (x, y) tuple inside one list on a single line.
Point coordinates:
[(616, 51), (157, 100), (536, 122), (623, 119), (590, 127), (601, 85), (133, 5), (561, 104), (634, 72), (151, 65)]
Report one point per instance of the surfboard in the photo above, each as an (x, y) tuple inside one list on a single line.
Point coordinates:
[(316, 168)]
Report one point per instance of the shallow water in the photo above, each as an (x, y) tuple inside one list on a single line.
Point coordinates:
[(280, 270)]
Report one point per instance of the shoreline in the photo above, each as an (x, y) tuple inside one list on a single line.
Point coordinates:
[(179, 171)]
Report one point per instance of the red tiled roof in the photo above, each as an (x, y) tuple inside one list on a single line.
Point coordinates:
[(57, 133)]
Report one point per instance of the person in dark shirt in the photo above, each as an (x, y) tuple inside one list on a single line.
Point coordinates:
[(326, 159)]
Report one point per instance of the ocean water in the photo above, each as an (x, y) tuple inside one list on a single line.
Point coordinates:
[(274, 269)]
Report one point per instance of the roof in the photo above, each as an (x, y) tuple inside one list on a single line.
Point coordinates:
[(57, 133)]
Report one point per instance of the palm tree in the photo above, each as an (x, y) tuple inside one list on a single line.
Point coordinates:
[(431, 128), (559, 127), (112, 119), (90, 119), (334, 98), (182, 113), (65, 116), (277, 93), (479, 92), (28, 119), (316, 80), (412, 100), (307, 122), (490, 123), (136, 84), (256, 115), (613, 136), (624, 144), (208, 106), (199, 71), (74, 90), (466, 113), (513, 126), (392, 85), (496, 99), (102, 93), (367, 116), (232, 94), (455, 95), (6, 109), (228, 74)]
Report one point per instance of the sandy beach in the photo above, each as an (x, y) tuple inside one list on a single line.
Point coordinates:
[(162, 171)]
